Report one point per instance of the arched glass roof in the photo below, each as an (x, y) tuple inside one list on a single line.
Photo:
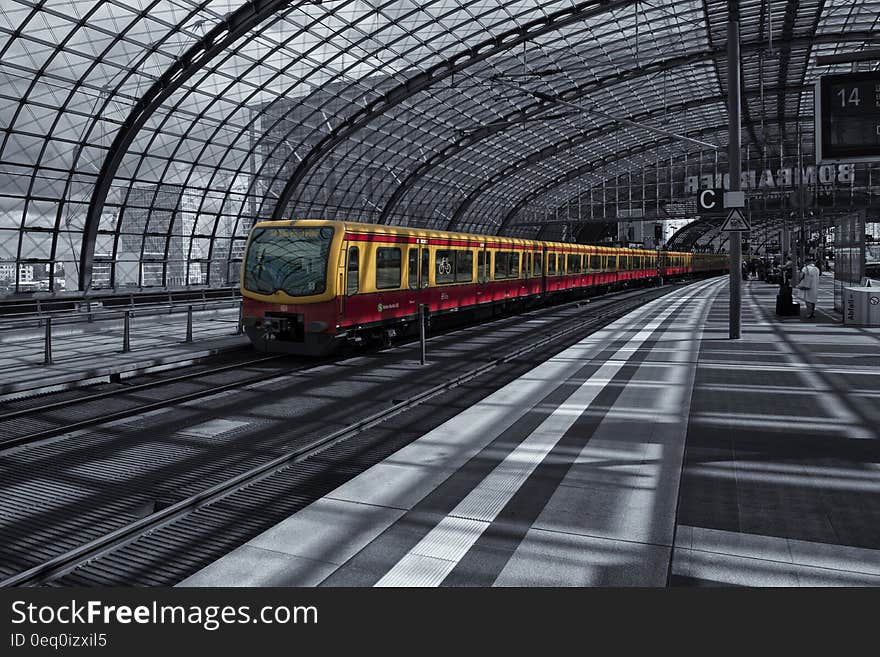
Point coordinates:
[(141, 139)]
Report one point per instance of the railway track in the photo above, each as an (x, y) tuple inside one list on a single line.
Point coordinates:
[(37, 419), (252, 477)]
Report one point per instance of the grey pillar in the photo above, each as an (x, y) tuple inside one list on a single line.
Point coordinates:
[(126, 332), (735, 169), (47, 346)]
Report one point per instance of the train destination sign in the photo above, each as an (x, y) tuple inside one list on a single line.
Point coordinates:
[(848, 117)]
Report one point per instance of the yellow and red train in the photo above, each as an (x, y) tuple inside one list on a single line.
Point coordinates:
[(307, 285)]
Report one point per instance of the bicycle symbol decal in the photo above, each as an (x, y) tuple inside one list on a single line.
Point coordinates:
[(444, 267), (874, 300)]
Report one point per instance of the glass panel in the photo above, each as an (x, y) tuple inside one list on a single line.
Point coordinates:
[(426, 267), (445, 267), (352, 271), (501, 265), (388, 262), (464, 266), (412, 264), (289, 259)]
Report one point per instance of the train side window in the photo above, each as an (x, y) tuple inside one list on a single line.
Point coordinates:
[(539, 257), (551, 264), (574, 263), (413, 269), (624, 264), (464, 266), (444, 266), (612, 262), (481, 266), (352, 270), (527, 265), (501, 265), (388, 260), (513, 265), (595, 263)]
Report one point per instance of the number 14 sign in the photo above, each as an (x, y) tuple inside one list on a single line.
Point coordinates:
[(848, 118)]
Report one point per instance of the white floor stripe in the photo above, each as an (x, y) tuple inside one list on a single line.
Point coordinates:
[(434, 557)]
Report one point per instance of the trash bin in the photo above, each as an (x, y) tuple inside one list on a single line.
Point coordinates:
[(861, 306)]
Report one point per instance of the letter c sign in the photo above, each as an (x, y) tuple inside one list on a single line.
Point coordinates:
[(711, 200)]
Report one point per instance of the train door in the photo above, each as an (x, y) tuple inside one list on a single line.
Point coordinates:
[(482, 274), (349, 280), (543, 257), (419, 269)]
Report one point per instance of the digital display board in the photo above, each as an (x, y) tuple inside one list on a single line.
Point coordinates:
[(848, 117)]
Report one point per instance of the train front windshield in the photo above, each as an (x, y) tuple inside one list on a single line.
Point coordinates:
[(289, 259)]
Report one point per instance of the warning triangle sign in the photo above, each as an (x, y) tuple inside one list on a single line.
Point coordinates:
[(735, 221)]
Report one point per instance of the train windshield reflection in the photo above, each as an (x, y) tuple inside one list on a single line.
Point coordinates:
[(288, 259)]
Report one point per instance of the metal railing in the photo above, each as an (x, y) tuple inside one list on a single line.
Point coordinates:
[(18, 314)]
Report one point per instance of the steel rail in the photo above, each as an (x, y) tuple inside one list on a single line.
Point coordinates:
[(109, 417)]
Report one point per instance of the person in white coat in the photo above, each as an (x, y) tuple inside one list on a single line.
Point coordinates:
[(809, 286)]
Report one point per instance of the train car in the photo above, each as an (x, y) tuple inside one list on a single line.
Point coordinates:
[(308, 285)]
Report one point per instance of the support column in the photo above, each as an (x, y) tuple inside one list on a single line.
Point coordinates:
[(735, 170)]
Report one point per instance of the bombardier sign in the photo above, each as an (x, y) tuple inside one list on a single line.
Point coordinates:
[(769, 179)]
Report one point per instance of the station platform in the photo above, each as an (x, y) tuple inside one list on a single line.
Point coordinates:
[(86, 352), (655, 452)]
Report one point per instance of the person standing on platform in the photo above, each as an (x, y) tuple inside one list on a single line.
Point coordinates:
[(787, 271), (809, 286)]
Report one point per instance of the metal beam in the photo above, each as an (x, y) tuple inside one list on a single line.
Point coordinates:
[(791, 14), (547, 98), (577, 92), (866, 55), (491, 47), (450, 150), (587, 167), (571, 142), (551, 151), (221, 36)]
